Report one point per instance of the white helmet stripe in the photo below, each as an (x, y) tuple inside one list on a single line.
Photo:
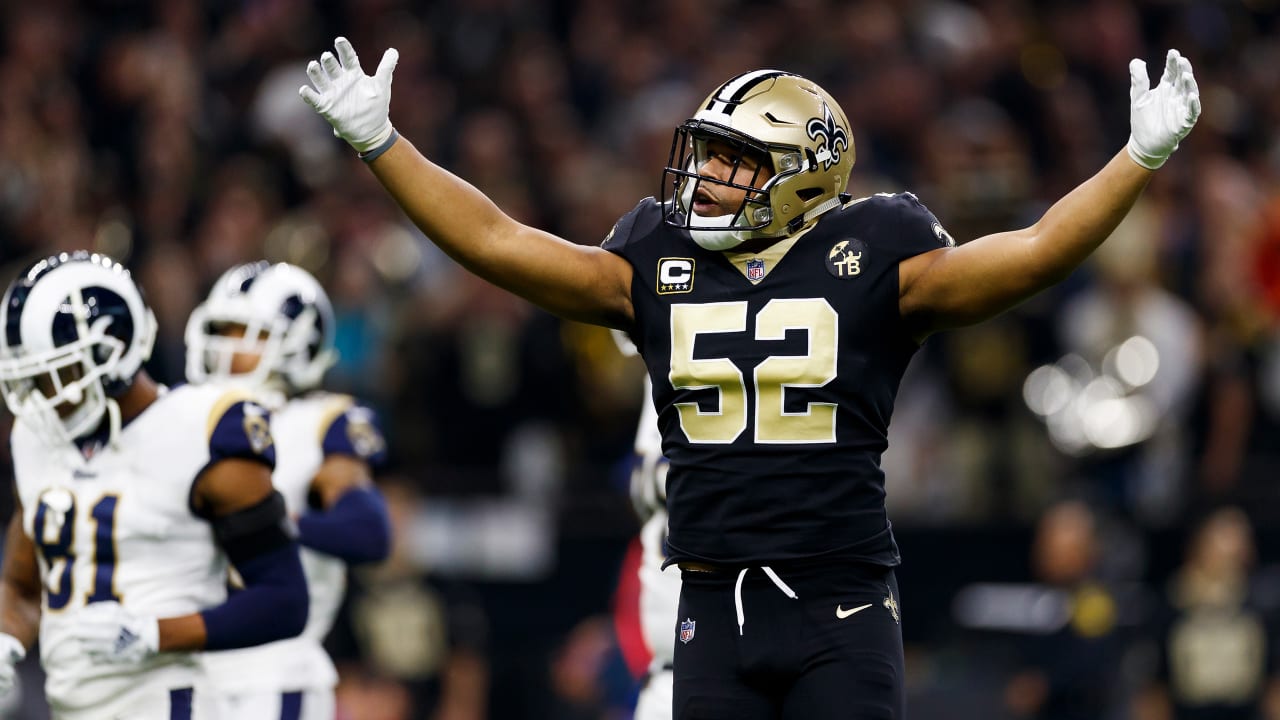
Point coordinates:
[(47, 296)]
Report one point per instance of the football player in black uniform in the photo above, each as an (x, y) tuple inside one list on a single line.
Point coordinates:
[(776, 316)]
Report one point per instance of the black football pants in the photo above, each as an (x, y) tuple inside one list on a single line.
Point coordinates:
[(834, 651)]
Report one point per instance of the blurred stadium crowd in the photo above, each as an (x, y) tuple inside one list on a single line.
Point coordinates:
[(1049, 471)]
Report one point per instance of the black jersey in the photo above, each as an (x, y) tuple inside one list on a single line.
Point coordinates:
[(774, 376)]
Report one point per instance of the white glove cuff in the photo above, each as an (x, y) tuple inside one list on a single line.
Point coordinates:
[(1150, 162), (150, 632), (373, 143)]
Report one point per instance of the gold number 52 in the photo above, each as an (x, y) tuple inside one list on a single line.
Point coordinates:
[(770, 380)]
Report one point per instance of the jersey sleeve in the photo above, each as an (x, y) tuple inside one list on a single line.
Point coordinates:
[(354, 430), (642, 219), (896, 226), (918, 230), (241, 428)]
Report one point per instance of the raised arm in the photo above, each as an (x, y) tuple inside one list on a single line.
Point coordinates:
[(580, 282), (957, 286)]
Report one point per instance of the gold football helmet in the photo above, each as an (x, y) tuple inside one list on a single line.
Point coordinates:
[(777, 115)]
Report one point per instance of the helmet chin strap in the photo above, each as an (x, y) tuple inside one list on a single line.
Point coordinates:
[(715, 233), (113, 421), (822, 207), (724, 237), (87, 414), (80, 417), (814, 213)]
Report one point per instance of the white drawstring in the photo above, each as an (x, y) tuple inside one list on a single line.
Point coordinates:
[(737, 592), (778, 581), (737, 600)]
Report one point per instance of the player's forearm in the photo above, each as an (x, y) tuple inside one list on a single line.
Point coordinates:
[(454, 214), (272, 606), (20, 586), (19, 613), (260, 546), (1078, 223), (355, 528), (576, 282), (548, 271), (1159, 118), (185, 633), (989, 275)]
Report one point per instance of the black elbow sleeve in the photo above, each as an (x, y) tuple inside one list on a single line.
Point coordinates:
[(255, 530)]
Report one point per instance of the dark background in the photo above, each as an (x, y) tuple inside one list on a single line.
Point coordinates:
[(169, 135)]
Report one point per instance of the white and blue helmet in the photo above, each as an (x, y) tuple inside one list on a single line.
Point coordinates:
[(76, 332), (287, 322)]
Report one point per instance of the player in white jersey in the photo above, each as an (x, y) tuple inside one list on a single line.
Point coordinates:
[(659, 588), (131, 499), (269, 328)]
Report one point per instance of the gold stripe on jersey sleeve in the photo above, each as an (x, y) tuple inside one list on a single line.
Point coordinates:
[(334, 406), (220, 408)]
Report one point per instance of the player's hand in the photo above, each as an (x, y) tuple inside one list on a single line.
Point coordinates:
[(109, 633), (1159, 118), (11, 653), (355, 104)]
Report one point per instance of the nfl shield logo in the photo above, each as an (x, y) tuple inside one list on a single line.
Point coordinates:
[(686, 631), (755, 269)]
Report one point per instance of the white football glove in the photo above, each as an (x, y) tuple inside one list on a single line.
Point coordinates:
[(1160, 118), (355, 104), (111, 634), (11, 653)]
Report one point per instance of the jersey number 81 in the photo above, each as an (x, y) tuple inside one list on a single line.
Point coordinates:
[(54, 529)]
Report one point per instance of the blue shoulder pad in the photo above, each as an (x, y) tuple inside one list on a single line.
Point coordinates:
[(356, 432), (243, 430)]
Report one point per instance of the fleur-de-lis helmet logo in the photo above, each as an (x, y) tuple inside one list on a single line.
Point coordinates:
[(832, 139)]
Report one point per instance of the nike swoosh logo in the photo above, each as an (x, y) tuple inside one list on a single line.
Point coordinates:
[(841, 613)]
